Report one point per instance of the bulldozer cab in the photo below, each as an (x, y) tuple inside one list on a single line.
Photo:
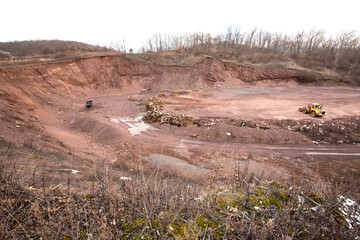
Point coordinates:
[(315, 105)]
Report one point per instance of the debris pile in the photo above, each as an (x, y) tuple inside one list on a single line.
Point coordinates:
[(156, 113), (208, 122), (6, 56), (334, 131)]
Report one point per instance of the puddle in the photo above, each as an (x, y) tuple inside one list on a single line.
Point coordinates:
[(135, 125), (137, 128), (166, 161)]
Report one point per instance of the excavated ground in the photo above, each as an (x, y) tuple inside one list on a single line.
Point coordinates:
[(240, 118), (272, 109)]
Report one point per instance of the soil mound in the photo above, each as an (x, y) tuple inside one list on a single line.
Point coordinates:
[(229, 133), (100, 130)]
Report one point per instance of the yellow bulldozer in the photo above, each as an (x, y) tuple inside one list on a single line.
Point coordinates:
[(314, 109)]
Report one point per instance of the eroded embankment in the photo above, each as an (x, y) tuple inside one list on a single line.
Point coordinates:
[(115, 72)]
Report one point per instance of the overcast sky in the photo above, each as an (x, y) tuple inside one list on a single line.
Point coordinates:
[(105, 21)]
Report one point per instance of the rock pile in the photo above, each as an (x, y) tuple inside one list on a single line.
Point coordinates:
[(155, 113), (5, 56), (333, 131), (208, 122)]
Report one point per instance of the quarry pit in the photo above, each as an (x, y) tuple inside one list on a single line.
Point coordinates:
[(242, 118)]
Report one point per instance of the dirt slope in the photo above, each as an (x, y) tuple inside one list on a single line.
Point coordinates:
[(117, 73)]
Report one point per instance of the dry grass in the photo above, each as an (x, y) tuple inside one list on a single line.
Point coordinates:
[(159, 205), (47, 47)]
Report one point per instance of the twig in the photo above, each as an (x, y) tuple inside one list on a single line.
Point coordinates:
[(17, 221)]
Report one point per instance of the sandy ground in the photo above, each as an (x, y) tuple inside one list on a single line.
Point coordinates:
[(267, 102)]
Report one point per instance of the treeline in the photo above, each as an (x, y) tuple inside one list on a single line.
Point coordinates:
[(45, 47), (341, 51)]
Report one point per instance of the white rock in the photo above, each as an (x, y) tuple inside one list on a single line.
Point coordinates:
[(199, 198), (351, 211), (125, 178)]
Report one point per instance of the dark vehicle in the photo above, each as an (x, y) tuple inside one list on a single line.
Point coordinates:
[(89, 103)]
